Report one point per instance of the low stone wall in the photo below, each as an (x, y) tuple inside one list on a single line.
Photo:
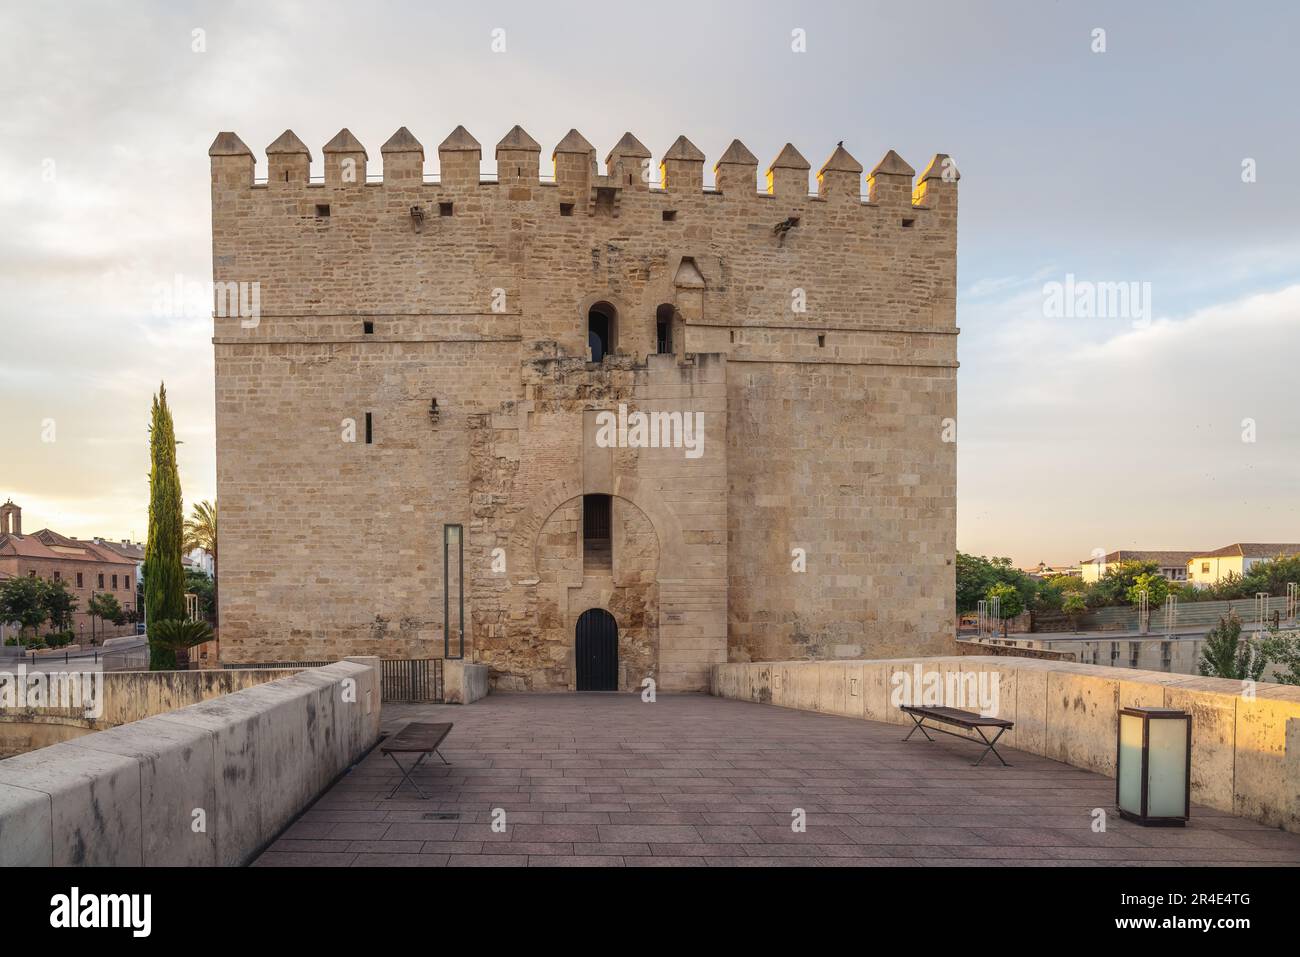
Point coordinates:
[(1245, 750), (211, 783), (463, 682), (134, 695), (1009, 647)]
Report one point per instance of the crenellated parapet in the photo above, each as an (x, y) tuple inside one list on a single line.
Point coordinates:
[(682, 168), (517, 156), (403, 158), (345, 160), (889, 186), (787, 176), (575, 162), (288, 162), (736, 171), (840, 178), (459, 156), (890, 182)]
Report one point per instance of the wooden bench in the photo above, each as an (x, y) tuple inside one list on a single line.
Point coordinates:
[(418, 737), (968, 720)]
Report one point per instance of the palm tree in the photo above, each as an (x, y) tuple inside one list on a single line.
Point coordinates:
[(201, 532), (179, 636)]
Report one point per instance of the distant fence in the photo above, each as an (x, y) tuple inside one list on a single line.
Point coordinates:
[(133, 659), (403, 679), (1191, 615)]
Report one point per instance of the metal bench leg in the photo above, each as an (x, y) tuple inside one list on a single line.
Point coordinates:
[(406, 775), (439, 754), (990, 746), (918, 727)]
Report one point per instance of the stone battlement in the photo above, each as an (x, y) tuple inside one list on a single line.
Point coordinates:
[(629, 167)]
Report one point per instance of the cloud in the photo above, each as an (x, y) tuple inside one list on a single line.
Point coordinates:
[(1124, 164), (1135, 437)]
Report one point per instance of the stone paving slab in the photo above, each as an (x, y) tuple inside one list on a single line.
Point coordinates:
[(604, 780)]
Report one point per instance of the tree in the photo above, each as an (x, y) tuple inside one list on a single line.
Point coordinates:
[(1010, 603), (165, 573), (201, 532), (1074, 606), (58, 602), (1272, 576), (1226, 654), (1113, 587), (1284, 649), (1228, 588), (976, 574), (21, 602), (1049, 597), (1154, 584), (1067, 584), (200, 585), (177, 635), (106, 607)]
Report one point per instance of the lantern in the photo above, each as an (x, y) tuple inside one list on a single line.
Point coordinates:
[(1153, 766)]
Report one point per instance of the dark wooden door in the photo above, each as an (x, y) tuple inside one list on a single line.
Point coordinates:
[(596, 651)]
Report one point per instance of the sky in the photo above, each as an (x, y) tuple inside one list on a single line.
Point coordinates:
[(1160, 153)]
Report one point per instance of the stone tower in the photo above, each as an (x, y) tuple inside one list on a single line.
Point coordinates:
[(618, 421), (11, 519)]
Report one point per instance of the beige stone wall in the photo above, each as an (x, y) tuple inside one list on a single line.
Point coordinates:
[(822, 357), (1245, 750)]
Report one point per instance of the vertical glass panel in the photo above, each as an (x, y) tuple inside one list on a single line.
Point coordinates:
[(1130, 763), (453, 592), (1167, 774)]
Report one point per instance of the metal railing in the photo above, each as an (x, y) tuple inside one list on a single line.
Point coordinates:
[(126, 660), (412, 679), (320, 663), (402, 679)]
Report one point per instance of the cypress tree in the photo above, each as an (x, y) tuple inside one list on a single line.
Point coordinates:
[(164, 587)]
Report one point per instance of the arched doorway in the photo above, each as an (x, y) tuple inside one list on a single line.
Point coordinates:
[(596, 651)]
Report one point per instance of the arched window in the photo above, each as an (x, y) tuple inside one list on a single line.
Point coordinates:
[(665, 317), (602, 321)]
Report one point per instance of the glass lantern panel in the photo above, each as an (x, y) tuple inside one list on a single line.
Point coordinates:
[(1130, 763), (1167, 784)]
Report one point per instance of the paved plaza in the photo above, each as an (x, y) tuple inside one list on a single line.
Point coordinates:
[(608, 780)]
